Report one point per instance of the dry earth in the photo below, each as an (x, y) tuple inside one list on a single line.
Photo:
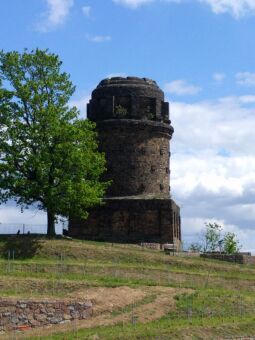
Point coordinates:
[(115, 305)]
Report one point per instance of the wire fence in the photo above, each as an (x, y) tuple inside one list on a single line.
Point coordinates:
[(26, 228), (200, 306), (196, 308)]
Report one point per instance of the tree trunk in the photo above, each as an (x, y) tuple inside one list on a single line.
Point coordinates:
[(51, 224)]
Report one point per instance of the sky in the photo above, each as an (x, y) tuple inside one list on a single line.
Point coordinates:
[(200, 52)]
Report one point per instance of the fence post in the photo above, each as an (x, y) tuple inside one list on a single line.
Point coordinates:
[(9, 258)]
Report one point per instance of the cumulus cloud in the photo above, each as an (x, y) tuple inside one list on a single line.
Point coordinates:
[(98, 38), (219, 77), (132, 3), (31, 220), (236, 8), (137, 3), (196, 227), (224, 123), (81, 104), (213, 165), (117, 74), (249, 99), (8, 214), (245, 78), (181, 87), (56, 15), (86, 10), (12, 220)]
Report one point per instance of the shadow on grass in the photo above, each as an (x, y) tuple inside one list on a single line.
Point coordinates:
[(19, 247)]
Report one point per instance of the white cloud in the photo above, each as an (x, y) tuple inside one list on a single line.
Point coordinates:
[(86, 10), (98, 38), (213, 165), (248, 99), (120, 74), (245, 78), (9, 213), (219, 77), (56, 15), (196, 227), (181, 87), (81, 104), (132, 3), (237, 8), (137, 3), (226, 123), (31, 220)]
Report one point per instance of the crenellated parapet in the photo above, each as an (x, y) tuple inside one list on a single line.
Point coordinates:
[(128, 98)]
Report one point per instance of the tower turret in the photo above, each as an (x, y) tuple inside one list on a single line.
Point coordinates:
[(134, 131)]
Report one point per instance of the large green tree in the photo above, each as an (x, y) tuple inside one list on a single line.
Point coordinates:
[(48, 156)]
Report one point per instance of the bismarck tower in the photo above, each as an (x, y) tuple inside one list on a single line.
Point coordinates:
[(134, 132)]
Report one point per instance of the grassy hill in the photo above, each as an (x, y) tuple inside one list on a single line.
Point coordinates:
[(137, 293)]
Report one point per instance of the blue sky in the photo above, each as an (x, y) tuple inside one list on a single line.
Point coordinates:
[(201, 53)]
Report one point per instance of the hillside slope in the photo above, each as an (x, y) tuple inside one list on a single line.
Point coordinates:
[(136, 293)]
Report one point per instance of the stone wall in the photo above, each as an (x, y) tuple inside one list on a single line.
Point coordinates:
[(134, 131), (25, 314), (132, 221), (137, 155), (131, 97), (236, 258), (155, 246)]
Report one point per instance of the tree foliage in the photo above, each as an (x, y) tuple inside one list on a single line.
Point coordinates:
[(212, 236), (195, 247), (48, 156), (213, 239), (230, 243)]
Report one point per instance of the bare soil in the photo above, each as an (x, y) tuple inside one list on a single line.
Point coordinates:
[(115, 305)]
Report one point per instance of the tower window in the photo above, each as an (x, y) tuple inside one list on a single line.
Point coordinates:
[(121, 106), (143, 151), (147, 107), (142, 188), (153, 168)]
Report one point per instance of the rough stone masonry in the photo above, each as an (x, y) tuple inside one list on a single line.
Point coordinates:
[(25, 314), (134, 131)]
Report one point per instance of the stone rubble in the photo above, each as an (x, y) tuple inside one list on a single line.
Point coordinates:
[(25, 314)]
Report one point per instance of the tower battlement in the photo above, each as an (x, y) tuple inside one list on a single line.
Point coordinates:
[(128, 98)]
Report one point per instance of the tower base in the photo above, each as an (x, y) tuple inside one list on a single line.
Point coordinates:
[(131, 220)]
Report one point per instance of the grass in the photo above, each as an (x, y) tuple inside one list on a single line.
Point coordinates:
[(130, 307), (212, 299), (198, 328)]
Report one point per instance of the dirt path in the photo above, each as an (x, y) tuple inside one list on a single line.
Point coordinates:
[(115, 305)]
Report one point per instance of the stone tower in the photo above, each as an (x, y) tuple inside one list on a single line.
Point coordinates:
[(134, 132)]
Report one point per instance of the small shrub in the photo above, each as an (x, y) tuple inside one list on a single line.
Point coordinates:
[(230, 243), (120, 111)]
